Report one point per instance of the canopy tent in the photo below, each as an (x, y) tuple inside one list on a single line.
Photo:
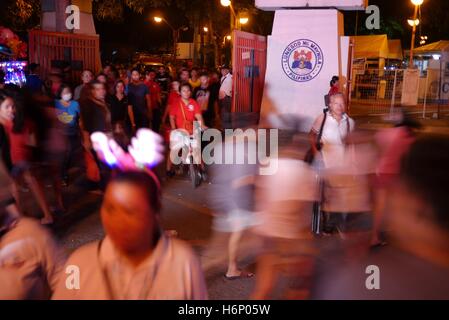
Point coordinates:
[(433, 48), (395, 50), (371, 47)]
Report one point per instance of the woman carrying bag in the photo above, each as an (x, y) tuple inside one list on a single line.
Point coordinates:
[(328, 143), (183, 114)]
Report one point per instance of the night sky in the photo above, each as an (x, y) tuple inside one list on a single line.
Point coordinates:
[(138, 32)]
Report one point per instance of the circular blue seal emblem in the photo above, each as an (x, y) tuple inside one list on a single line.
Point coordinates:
[(302, 60)]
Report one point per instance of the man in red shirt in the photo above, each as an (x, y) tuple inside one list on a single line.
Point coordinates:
[(155, 97)]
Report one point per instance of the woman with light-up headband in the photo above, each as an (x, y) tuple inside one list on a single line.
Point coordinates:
[(135, 260)]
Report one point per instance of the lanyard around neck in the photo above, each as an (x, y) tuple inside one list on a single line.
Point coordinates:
[(146, 286)]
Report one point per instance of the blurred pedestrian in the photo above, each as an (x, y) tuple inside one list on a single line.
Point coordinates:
[(184, 75), (202, 95), (335, 125), (156, 99), (135, 260), (173, 98), (111, 77), (101, 77), (225, 97), (122, 116), (334, 86), (233, 198), (30, 260), (393, 144), (214, 108), (95, 117), (123, 76), (16, 150), (194, 80), (183, 114), (284, 205), (68, 113), (331, 129), (140, 99), (415, 265), (86, 77), (54, 82), (163, 79)]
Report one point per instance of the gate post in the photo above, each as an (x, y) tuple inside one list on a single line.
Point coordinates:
[(393, 96)]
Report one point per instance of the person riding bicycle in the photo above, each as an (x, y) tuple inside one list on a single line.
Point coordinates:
[(183, 113)]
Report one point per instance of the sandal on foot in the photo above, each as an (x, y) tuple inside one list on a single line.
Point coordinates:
[(242, 275)]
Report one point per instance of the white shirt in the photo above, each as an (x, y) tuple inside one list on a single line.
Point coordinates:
[(234, 175), (226, 86), (285, 199), (30, 262), (334, 134), (172, 272), (346, 171)]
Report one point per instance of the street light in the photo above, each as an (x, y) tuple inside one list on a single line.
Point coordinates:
[(414, 23), (225, 3), (226, 38), (417, 2), (175, 31), (244, 20), (423, 40), (228, 3), (202, 48)]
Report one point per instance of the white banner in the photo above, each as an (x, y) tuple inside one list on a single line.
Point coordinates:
[(303, 55), (410, 87)]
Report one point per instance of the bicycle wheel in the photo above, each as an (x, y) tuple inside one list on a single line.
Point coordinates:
[(194, 174)]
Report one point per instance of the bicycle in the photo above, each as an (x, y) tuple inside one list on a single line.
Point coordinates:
[(180, 139)]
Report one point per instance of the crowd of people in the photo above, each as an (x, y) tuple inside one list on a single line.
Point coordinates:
[(361, 192), (45, 131), (49, 123)]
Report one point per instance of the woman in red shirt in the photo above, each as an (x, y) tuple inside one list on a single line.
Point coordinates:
[(335, 86), (183, 113), (19, 138)]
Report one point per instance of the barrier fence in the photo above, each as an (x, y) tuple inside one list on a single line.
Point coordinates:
[(50, 49), (381, 92)]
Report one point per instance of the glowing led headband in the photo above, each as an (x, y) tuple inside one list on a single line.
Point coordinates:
[(146, 151)]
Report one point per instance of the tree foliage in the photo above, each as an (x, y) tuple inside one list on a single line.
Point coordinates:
[(20, 15), (25, 13), (112, 10)]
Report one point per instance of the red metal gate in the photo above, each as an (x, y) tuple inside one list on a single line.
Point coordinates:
[(249, 60), (45, 47)]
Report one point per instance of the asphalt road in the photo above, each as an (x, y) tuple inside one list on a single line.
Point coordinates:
[(185, 210)]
